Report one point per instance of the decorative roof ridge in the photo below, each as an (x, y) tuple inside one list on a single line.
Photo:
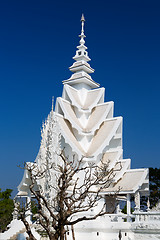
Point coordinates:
[(73, 95)]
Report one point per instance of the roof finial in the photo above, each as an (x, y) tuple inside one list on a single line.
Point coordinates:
[(82, 36), (52, 103), (82, 20)]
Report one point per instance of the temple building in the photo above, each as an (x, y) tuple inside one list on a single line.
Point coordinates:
[(84, 125)]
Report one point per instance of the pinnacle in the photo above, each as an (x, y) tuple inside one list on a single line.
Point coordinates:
[(82, 18)]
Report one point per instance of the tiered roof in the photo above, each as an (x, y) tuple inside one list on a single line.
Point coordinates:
[(88, 127)]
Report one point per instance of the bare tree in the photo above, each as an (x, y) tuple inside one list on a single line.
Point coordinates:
[(76, 190)]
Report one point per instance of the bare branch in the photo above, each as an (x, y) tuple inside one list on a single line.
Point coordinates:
[(74, 186)]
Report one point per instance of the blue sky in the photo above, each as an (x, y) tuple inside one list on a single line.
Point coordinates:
[(37, 43)]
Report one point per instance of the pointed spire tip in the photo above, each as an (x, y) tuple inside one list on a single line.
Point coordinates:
[(82, 18)]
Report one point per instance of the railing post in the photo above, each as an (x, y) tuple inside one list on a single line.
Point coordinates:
[(137, 201), (128, 207)]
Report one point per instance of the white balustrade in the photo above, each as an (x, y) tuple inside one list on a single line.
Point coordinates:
[(147, 216)]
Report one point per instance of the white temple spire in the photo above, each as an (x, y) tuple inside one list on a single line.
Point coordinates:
[(81, 68)]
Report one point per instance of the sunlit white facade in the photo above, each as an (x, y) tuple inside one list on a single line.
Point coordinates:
[(85, 126)]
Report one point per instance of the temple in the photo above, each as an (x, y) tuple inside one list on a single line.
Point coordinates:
[(84, 125)]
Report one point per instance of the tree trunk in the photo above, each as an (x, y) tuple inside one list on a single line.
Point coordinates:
[(28, 229), (72, 228), (62, 232), (65, 236)]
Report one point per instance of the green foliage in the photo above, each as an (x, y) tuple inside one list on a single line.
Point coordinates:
[(124, 210), (154, 186), (6, 208), (154, 178), (34, 209)]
